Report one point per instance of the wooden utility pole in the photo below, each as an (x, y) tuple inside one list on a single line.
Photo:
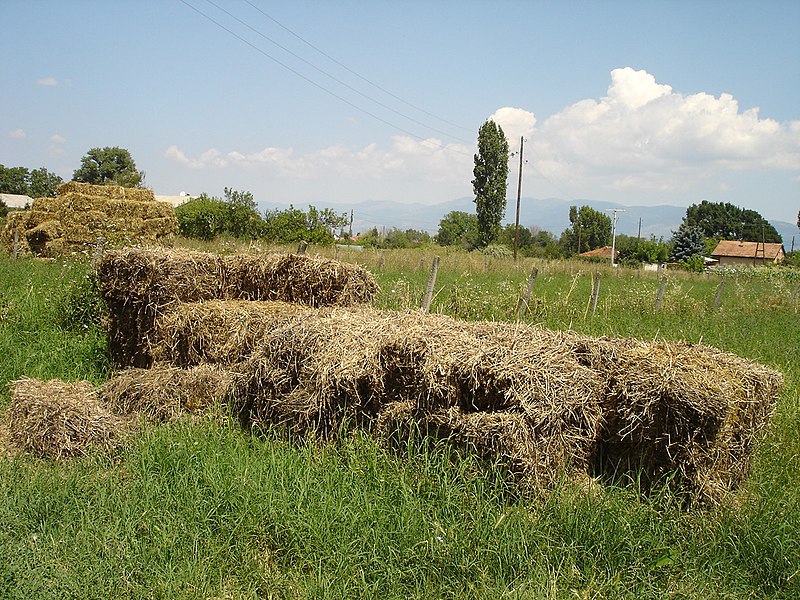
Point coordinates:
[(519, 192), (351, 223)]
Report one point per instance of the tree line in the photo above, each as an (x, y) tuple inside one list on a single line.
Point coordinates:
[(236, 215), (704, 225)]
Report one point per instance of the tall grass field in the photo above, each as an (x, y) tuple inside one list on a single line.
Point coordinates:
[(198, 508)]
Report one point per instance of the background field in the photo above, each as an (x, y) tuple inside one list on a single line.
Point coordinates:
[(198, 509)]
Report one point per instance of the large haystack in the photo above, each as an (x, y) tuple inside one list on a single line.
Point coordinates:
[(83, 216), (164, 393), (677, 408), (515, 393), (138, 284), (59, 420)]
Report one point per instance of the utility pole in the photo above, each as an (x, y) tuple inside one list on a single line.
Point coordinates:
[(351, 223), (519, 192), (614, 235)]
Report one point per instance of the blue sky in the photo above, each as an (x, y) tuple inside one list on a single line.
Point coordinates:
[(352, 101)]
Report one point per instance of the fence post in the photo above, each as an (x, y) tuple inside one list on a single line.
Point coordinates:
[(595, 292), (795, 292), (15, 248), (301, 247), (381, 260), (426, 302), (718, 295), (523, 306), (660, 296)]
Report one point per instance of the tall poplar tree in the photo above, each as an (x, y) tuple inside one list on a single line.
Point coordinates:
[(489, 185)]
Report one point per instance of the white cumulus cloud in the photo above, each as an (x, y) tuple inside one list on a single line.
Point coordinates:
[(645, 136), (58, 139), (17, 134), (47, 81)]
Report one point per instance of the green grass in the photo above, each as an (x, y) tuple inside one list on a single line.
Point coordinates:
[(199, 509)]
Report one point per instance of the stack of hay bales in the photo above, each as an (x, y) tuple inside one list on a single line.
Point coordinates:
[(140, 284), (513, 394), (539, 402), (83, 215)]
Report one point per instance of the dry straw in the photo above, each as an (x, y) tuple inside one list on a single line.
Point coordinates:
[(54, 419), (677, 408), (217, 331), (537, 401), (164, 393), (138, 284), (81, 216), (511, 391)]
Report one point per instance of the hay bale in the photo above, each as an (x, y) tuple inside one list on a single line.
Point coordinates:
[(83, 215), (138, 284), (164, 393), (216, 331), (337, 367), (106, 191), (679, 410), (54, 419)]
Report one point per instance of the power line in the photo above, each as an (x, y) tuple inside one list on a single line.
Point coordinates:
[(317, 85), (333, 77), (348, 69)]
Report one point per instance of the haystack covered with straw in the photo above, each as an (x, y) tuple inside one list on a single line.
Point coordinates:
[(139, 284), (83, 216), (55, 419)]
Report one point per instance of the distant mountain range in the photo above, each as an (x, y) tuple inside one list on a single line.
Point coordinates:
[(550, 214)]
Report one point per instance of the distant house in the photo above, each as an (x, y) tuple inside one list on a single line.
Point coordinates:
[(176, 200), (604, 252), (16, 200), (748, 253)]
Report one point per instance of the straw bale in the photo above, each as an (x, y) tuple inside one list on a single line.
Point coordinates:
[(60, 420), (339, 366), (83, 215), (163, 393), (106, 191), (675, 409), (139, 283), (216, 331)]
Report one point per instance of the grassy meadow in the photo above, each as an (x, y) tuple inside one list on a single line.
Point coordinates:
[(199, 509)]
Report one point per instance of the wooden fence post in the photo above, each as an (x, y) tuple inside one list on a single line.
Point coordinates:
[(15, 248), (660, 296), (718, 295), (426, 302), (523, 306), (301, 247), (595, 292), (381, 260)]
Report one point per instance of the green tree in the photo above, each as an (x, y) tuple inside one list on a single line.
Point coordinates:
[(687, 242), (458, 228), (109, 165), (489, 185), (635, 251), (294, 225), (728, 222), (38, 183), (13, 180), (589, 229), (42, 183), (204, 217)]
